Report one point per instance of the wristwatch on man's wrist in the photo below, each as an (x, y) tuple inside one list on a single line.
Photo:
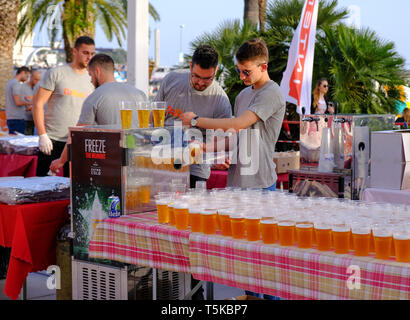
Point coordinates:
[(194, 122)]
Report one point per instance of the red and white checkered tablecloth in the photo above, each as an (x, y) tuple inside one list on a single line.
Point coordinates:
[(293, 273), (140, 240), (286, 272)]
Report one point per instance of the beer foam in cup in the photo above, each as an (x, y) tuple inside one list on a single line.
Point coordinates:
[(195, 210), (340, 228), (401, 236), (286, 223), (180, 205), (162, 201), (208, 212), (304, 225), (269, 221), (225, 212)]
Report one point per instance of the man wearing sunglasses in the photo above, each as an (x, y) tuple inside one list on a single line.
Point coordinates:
[(259, 107), (195, 90)]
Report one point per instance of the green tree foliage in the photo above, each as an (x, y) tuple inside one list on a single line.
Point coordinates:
[(361, 66), (78, 18)]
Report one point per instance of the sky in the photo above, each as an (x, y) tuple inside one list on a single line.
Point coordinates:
[(389, 19)]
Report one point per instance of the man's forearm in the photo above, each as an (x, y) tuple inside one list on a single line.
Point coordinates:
[(38, 117)]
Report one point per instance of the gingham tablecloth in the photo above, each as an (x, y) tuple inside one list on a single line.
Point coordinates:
[(140, 240), (286, 272), (293, 273)]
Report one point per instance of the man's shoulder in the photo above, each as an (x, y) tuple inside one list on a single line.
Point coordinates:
[(176, 75)]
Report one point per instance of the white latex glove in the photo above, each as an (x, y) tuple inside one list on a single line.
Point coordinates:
[(44, 143)]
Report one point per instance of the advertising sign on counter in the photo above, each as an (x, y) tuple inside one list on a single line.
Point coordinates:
[(96, 162)]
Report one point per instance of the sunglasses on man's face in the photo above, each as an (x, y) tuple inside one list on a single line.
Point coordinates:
[(246, 73)]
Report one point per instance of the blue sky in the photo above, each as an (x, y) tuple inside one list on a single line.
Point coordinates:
[(390, 20)]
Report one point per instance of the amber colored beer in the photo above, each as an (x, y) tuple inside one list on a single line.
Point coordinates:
[(171, 214), (382, 246), (208, 221), (181, 217), (361, 244), (341, 239), (162, 209), (159, 117), (371, 247), (194, 153), (195, 221), (145, 193), (269, 231), (126, 118), (143, 118), (323, 239), (304, 235), (286, 233), (402, 248), (225, 222), (252, 226), (238, 227)]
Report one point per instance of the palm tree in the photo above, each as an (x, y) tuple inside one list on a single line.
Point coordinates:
[(255, 12), (78, 18), (361, 66), (8, 30)]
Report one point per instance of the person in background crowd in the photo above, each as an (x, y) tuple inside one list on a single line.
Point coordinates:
[(64, 89), (27, 94), (15, 106), (101, 107), (320, 101)]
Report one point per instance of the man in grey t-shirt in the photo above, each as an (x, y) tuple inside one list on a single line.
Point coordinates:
[(27, 94), (64, 89), (15, 106), (198, 92), (259, 111), (102, 107)]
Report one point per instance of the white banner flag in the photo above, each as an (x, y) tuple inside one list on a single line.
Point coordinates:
[(296, 83)]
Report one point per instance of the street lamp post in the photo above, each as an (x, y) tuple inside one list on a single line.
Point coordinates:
[(181, 54)]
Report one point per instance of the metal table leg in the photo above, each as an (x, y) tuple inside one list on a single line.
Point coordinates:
[(154, 284), (209, 291)]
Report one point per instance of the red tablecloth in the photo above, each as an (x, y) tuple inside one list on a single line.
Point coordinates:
[(17, 165), (30, 231), (219, 178)]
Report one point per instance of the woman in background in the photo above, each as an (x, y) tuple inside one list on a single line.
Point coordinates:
[(320, 103)]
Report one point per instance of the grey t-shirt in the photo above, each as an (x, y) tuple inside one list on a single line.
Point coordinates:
[(13, 112), (70, 89), (102, 106), (177, 92), (26, 94), (257, 169)]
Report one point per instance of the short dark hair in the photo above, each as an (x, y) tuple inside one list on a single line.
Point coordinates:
[(22, 69), (83, 40), (103, 60), (205, 56), (252, 50)]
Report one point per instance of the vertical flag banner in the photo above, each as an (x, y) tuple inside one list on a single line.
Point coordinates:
[(296, 83)]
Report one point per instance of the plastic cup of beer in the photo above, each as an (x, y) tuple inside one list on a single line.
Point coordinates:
[(237, 225), (195, 218), (143, 110), (304, 235), (171, 212), (361, 239), (181, 213), (323, 231), (269, 231), (401, 238), (208, 221), (286, 232), (161, 203), (383, 237), (158, 113), (225, 222), (341, 237), (126, 114), (252, 225)]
